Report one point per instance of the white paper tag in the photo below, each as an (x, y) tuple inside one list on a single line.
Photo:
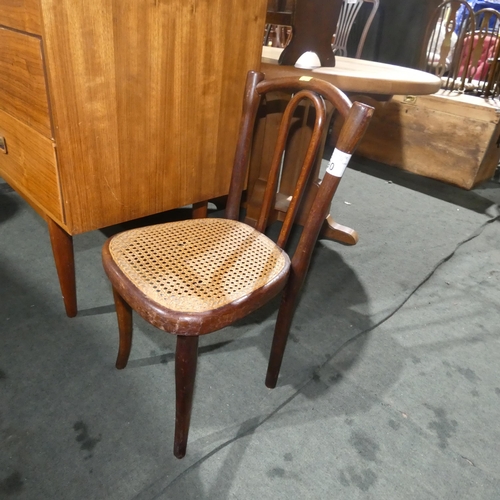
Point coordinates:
[(338, 163)]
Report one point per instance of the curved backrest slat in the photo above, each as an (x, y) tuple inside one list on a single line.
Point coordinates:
[(315, 99)]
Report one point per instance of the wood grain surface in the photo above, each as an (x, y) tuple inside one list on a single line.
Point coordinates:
[(23, 92), (146, 99), (23, 15), (30, 166), (358, 75)]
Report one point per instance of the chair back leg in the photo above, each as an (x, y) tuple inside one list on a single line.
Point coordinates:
[(186, 358), (282, 329), (124, 315)]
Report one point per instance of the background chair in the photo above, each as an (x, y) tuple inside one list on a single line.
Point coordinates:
[(279, 35), (480, 65), (197, 276), (348, 17), (463, 47), (446, 40)]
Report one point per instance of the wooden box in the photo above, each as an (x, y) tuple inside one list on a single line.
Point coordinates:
[(446, 136)]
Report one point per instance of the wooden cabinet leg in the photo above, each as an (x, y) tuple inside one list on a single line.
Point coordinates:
[(200, 210), (62, 248)]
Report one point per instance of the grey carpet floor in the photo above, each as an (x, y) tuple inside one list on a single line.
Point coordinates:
[(389, 387)]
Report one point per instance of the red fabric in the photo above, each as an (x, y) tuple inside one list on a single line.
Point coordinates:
[(480, 71)]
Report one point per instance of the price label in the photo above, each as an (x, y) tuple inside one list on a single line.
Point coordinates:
[(338, 163)]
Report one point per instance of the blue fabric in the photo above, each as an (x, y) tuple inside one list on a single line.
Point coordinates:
[(487, 5), (477, 5)]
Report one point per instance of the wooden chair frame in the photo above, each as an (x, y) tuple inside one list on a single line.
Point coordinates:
[(188, 326)]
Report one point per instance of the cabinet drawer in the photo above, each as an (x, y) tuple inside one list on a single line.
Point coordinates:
[(23, 91), (28, 164), (22, 15)]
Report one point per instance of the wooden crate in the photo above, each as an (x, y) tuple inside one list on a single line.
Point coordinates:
[(446, 136)]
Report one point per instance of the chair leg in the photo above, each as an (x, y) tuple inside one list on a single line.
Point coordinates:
[(283, 323), (186, 357), (281, 331), (124, 315), (200, 210)]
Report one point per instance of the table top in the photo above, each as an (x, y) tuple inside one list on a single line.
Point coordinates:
[(359, 75)]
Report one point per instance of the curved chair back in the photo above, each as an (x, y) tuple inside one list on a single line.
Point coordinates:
[(446, 40), (317, 92), (480, 61), (348, 15)]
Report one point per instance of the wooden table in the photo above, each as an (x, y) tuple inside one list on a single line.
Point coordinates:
[(359, 79), (358, 76)]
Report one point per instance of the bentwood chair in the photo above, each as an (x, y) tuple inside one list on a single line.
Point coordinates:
[(197, 276)]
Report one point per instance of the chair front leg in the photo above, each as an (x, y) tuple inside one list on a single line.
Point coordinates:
[(186, 357), (124, 315), (281, 331)]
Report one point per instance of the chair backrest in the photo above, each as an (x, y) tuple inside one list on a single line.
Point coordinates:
[(348, 15), (316, 92), (480, 65), (446, 40)]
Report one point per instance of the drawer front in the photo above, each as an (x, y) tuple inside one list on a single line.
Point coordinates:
[(22, 15), (28, 164), (23, 91)]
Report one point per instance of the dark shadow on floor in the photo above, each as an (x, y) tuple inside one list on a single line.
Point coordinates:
[(471, 200), (9, 202)]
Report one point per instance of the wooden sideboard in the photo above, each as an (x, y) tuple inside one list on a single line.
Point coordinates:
[(111, 111)]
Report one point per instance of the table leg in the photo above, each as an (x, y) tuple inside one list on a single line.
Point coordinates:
[(331, 230), (62, 248)]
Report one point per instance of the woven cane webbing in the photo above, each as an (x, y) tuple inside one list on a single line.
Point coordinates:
[(197, 265)]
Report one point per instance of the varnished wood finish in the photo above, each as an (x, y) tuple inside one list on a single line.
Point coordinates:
[(188, 323), (200, 210), (23, 15), (280, 12), (334, 231), (62, 247), (186, 359), (125, 329), (358, 76), (180, 323), (314, 23), (353, 130), (30, 166), (446, 136), (353, 76), (146, 101), (270, 115), (23, 93)]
